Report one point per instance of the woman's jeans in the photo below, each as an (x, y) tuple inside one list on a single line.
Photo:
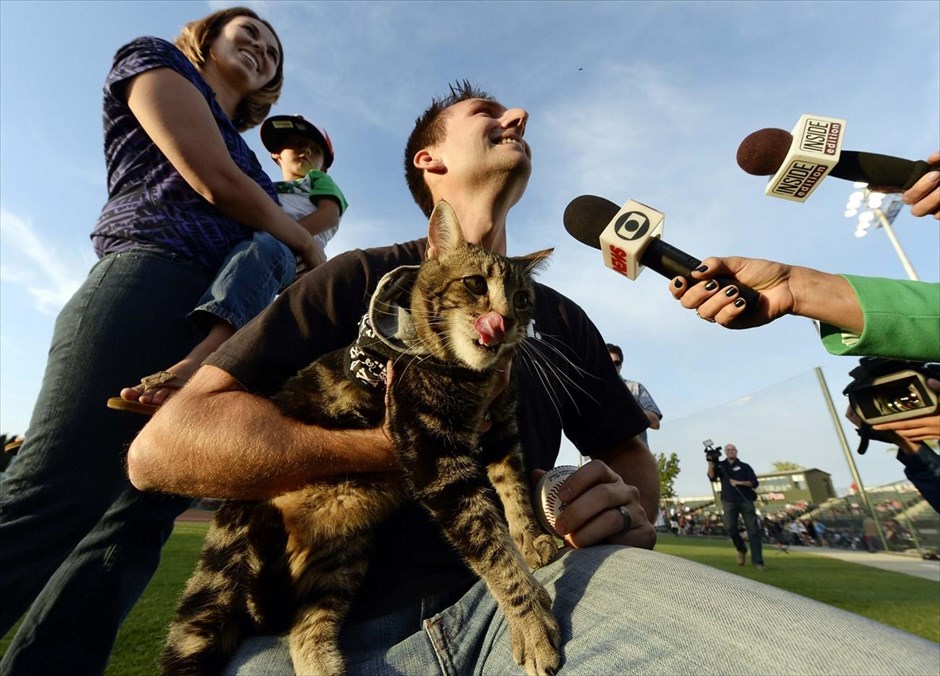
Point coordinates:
[(78, 543)]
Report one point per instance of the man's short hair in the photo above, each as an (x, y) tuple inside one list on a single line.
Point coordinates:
[(428, 131), (616, 350)]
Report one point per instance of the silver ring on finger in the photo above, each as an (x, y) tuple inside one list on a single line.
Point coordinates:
[(627, 519), (707, 319)]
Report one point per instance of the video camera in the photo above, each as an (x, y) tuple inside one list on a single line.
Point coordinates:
[(712, 454), (886, 390)]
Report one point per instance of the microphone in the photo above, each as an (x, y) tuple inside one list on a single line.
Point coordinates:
[(799, 161), (630, 238)]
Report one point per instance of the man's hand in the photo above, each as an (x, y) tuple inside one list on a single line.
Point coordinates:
[(593, 497), (895, 438), (924, 196), (913, 431)]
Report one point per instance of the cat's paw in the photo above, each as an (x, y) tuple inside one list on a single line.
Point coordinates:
[(314, 657), (540, 550), (536, 638)]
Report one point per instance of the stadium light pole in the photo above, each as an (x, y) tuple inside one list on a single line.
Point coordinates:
[(876, 208), (849, 459)]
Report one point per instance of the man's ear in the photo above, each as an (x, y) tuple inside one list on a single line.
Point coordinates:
[(424, 161), (277, 158)]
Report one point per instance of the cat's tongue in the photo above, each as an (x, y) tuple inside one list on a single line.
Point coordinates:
[(490, 328)]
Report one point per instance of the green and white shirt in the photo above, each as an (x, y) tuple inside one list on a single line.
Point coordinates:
[(299, 198)]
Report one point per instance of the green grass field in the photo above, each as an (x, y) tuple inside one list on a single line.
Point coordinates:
[(902, 601)]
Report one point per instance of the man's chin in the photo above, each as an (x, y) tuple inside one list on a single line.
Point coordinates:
[(522, 172)]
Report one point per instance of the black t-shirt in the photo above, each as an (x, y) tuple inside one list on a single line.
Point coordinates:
[(740, 471), (566, 381)]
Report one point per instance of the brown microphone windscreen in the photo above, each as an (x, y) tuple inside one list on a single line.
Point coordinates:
[(762, 152)]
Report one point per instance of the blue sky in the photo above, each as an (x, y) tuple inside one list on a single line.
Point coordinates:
[(638, 100)]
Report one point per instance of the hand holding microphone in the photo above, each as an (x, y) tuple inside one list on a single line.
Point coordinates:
[(798, 162), (924, 196), (630, 238), (769, 278), (789, 289)]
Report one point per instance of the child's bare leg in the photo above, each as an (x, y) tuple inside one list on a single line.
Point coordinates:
[(183, 369)]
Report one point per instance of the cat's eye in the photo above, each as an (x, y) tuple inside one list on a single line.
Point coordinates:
[(476, 284), (521, 300)]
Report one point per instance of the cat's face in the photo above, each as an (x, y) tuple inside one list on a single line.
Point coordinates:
[(469, 304)]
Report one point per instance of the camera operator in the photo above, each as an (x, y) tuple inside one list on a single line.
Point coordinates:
[(738, 482), (921, 463)]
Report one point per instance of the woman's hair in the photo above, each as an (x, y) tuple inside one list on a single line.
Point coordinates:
[(197, 37)]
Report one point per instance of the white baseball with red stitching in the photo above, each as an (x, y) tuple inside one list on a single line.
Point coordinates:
[(546, 492)]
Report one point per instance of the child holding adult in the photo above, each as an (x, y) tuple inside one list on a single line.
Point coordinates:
[(257, 269), (78, 543)]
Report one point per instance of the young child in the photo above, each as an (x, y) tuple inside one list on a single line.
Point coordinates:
[(304, 153), (258, 268)]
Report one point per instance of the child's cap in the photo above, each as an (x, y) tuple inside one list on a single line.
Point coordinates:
[(278, 128)]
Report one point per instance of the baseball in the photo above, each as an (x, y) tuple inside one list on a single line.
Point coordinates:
[(546, 492)]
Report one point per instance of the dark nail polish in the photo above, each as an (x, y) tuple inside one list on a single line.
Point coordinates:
[(678, 283), (730, 291), (739, 302), (701, 268), (711, 286)]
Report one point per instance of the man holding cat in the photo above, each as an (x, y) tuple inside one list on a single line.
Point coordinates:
[(470, 152), (422, 611)]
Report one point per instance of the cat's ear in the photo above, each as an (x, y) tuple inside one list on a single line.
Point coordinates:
[(535, 261), (444, 233)]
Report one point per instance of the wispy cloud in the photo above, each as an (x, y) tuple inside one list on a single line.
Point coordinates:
[(34, 264)]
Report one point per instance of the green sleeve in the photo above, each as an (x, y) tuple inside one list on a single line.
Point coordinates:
[(323, 185), (902, 320)]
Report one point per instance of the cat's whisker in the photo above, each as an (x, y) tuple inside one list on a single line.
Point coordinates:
[(546, 343), (562, 377), (528, 359), (550, 374)]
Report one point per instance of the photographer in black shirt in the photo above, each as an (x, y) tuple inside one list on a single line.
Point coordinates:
[(738, 482)]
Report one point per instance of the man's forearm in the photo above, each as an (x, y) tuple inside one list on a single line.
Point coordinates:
[(637, 466), (213, 439)]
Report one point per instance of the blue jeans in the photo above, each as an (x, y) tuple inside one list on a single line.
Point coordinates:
[(252, 274), (78, 543), (746, 510), (624, 610)]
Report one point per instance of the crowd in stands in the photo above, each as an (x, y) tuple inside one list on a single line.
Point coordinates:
[(841, 523)]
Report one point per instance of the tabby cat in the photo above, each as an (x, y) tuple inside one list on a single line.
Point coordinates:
[(295, 563)]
